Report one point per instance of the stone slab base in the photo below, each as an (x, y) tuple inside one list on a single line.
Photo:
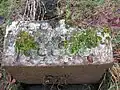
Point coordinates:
[(58, 74)]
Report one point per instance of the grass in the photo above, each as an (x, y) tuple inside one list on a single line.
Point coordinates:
[(84, 13), (111, 79), (115, 72)]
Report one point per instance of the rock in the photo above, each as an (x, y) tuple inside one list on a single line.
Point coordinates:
[(56, 52), (51, 6), (44, 25), (42, 52), (51, 49)]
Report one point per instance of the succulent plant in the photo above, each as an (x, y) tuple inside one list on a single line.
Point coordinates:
[(25, 42), (81, 40)]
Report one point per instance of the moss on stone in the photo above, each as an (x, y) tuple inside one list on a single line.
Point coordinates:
[(25, 42)]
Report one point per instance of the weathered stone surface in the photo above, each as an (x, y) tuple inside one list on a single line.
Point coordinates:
[(51, 50)]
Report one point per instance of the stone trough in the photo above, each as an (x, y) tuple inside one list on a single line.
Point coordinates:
[(50, 60)]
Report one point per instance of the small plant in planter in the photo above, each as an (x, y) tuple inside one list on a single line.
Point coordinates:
[(24, 43), (81, 40)]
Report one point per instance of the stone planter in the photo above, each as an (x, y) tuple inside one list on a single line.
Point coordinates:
[(38, 52)]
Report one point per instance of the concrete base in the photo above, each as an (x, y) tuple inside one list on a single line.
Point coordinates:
[(77, 74)]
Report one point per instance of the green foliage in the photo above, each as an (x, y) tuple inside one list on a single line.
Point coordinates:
[(104, 32), (4, 7), (25, 42), (99, 2), (7, 8), (88, 38), (82, 40), (116, 40)]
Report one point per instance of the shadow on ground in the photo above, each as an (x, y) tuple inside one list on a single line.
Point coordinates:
[(64, 87)]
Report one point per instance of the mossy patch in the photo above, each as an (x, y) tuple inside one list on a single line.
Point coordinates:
[(24, 43), (81, 40)]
